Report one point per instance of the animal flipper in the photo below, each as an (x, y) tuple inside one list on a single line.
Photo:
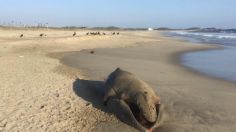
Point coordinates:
[(107, 95), (122, 110)]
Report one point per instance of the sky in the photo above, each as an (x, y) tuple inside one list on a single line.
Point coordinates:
[(121, 13)]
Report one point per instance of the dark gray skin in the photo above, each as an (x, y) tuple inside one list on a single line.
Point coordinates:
[(132, 100)]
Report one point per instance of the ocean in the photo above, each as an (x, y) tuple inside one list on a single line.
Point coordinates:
[(219, 63)]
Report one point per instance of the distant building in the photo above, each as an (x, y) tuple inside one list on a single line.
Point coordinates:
[(150, 29)]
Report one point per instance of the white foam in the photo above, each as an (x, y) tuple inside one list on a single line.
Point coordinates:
[(227, 37), (210, 35)]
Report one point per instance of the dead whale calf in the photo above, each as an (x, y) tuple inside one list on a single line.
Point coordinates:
[(132, 100)]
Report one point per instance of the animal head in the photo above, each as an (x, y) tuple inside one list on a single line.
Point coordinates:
[(148, 109)]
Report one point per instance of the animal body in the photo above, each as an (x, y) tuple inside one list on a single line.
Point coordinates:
[(132, 100)]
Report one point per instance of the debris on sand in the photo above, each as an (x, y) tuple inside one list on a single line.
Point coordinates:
[(41, 35), (42, 106), (74, 33)]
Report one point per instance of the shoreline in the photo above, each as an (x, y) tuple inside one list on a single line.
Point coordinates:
[(220, 48), (177, 58), (187, 87)]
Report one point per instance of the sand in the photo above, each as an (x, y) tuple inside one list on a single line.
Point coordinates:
[(191, 101), (37, 90), (40, 93)]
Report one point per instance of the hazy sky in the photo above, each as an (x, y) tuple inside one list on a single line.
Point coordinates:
[(123, 13)]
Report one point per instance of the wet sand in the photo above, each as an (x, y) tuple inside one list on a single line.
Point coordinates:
[(215, 63), (191, 101)]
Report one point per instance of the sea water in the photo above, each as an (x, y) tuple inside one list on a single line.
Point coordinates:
[(220, 63)]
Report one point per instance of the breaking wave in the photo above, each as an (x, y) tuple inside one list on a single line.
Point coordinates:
[(209, 35)]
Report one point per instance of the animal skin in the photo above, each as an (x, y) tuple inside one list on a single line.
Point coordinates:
[(132, 100)]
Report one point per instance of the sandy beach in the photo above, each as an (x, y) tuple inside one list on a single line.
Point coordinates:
[(52, 83)]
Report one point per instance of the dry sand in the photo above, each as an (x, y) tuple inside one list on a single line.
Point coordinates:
[(36, 90), (38, 93)]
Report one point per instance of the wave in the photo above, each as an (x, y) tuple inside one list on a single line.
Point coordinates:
[(209, 35), (227, 36)]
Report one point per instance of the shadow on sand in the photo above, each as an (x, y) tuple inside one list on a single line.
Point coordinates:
[(92, 91)]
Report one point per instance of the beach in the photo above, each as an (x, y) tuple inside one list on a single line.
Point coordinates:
[(52, 83)]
